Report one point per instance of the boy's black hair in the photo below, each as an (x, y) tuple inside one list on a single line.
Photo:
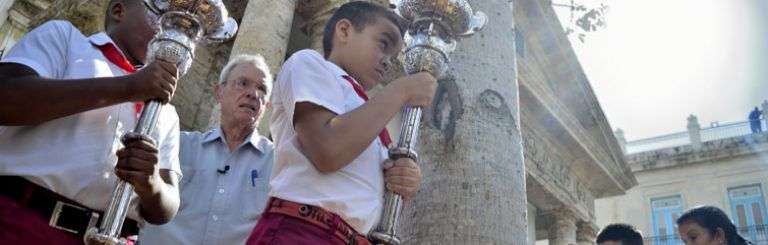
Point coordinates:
[(360, 14), (624, 233)]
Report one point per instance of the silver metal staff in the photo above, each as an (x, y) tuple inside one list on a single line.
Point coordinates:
[(183, 25), (436, 26)]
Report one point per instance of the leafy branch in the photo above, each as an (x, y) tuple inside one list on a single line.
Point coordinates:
[(584, 19)]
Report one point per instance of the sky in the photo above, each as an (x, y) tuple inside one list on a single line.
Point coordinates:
[(658, 61)]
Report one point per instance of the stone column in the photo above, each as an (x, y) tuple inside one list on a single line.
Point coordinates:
[(4, 7), (764, 105), (473, 189), (694, 132), (563, 229), (265, 29), (765, 114), (531, 224), (317, 13), (586, 233), (621, 139), (13, 29)]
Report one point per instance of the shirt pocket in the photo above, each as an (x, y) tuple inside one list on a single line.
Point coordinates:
[(255, 197)]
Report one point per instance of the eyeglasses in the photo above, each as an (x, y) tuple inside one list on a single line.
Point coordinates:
[(243, 84)]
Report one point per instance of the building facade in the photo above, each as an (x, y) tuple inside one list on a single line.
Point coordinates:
[(553, 152), (16, 17), (570, 160), (725, 165)]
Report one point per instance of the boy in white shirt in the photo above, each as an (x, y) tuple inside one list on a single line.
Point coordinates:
[(327, 182)]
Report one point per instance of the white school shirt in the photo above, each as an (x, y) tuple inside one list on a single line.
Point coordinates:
[(74, 156), (217, 208), (354, 192)]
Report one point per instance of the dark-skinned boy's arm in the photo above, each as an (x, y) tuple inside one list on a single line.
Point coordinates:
[(159, 207), (27, 98)]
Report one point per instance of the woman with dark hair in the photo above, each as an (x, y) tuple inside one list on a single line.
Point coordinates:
[(708, 225)]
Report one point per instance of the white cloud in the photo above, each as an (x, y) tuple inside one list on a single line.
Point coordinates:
[(659, 61)]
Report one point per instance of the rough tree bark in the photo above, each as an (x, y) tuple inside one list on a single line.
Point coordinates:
[(470, 146)]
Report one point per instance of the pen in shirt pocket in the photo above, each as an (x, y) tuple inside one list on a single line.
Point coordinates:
[(254, 176)]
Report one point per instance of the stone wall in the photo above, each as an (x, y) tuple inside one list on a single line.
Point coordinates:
[(17, 17), (86, 15)]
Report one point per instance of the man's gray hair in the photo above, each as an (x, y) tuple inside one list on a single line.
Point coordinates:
[(256, 60)]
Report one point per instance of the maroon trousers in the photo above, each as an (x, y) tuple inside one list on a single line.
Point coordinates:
[(280, 229), (21, 225)]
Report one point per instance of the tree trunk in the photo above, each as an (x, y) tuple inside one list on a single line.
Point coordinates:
[(265, 29), (470, 145)]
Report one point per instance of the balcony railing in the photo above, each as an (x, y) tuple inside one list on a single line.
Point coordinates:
[(757, 234), (727, 130), (658, 142), (715, 132)]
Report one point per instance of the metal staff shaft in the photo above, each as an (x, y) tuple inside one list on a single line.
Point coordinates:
[(406, 143), (386, 229), (148, 118), (114, 216), (121, 200)]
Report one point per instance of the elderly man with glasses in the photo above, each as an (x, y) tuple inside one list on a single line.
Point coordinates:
[(226, 170)]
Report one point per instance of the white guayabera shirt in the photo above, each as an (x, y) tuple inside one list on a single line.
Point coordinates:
[(74, 156)]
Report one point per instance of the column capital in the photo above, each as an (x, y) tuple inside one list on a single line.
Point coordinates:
[(693, 122), (621, 139), (586, 233), (694, 131), (316, 14), (564, 214)]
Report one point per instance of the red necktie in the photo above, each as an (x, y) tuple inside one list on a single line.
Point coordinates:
[(115, 57), (384, 135)]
